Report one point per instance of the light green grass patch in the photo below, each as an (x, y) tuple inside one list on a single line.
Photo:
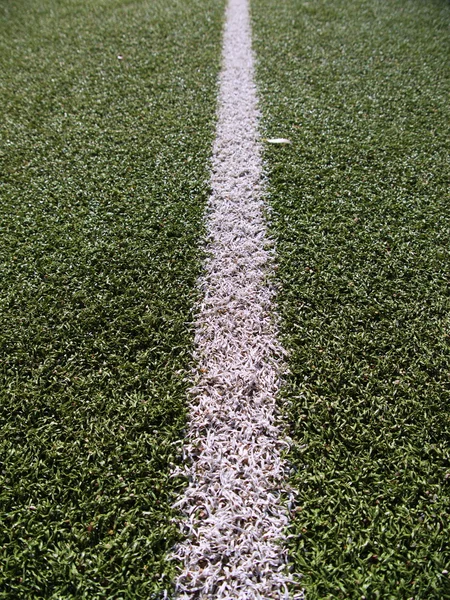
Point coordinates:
[(361, 216), (108, 113)]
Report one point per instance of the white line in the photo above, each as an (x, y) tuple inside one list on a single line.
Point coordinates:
[(234, 517)]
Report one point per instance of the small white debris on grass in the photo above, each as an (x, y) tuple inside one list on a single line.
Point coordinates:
[(278, 141), (234, 517)]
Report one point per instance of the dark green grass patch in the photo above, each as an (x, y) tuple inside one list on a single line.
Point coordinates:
[(362, 220), (107, 122)]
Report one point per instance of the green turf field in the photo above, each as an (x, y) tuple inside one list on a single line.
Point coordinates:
[(362, 219), (107, 121)]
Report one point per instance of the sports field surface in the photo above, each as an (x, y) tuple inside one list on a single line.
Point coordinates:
[(108, 113), (107, 122), (361, 216)]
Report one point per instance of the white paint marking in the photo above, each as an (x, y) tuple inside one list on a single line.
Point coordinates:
[(234, 518)]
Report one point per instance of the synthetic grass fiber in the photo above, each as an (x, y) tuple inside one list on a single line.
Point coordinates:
[(360, 212), (108, 113)]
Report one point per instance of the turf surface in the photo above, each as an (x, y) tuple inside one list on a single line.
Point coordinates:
[(361, 216), (107, 124)]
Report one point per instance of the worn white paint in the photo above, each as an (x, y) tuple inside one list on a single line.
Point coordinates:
[(234, 519)]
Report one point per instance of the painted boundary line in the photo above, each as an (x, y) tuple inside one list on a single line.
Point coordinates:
[(234, 518)]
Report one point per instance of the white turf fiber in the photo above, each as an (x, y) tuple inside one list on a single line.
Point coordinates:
[(234, 517)]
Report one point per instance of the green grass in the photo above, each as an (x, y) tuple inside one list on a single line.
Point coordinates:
[(108, 115), (361, 214)]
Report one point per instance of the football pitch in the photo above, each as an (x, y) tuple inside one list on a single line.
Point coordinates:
[(108, 114)]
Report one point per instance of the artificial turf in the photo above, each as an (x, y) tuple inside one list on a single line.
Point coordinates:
[(361, 216), (108, 111)]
